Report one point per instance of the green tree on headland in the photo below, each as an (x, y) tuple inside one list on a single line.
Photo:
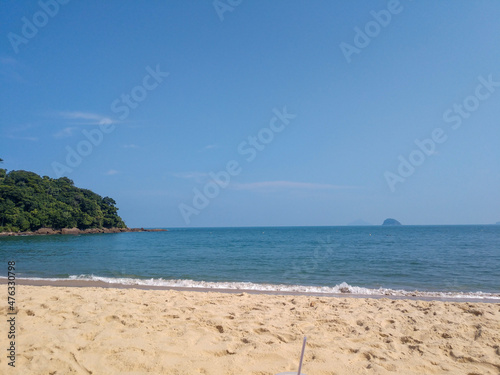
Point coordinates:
[(29, 202), (3, 172)]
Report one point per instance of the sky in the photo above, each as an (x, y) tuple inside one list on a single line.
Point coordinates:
[(259, 113)]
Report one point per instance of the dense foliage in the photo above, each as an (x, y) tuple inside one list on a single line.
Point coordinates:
[(29, 202)]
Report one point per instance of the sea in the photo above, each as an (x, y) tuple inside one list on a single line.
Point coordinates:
[(450, 262)]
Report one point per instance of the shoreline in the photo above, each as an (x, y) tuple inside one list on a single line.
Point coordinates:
[(69, 283), (76, 231)]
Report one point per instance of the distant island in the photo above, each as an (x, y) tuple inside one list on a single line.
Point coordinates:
[(391, 222), (30, 204)]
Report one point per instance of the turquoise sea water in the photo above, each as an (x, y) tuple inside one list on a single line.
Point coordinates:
[(433, 260)]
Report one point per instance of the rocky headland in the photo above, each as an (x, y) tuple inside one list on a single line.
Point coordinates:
[(76, 231)]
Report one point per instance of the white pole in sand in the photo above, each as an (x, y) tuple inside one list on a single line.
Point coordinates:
[(300, 363), (302, 355)]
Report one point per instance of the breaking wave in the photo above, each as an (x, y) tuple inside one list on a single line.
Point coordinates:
[(340, 289)]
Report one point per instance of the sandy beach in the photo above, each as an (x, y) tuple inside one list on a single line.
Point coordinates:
[(71, 330)]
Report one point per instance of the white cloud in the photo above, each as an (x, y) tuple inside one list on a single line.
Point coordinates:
[(66, 132), (18, 133), (91, 118), (111, 172), (32, 139), (266, 185), (208, 147), (11, 69), (21, 128), (196, 176), (8, 60)]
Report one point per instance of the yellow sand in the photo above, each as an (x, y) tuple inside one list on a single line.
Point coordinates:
[(128, 331)]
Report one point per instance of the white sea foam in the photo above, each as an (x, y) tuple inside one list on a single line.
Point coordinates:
[(343, 288)]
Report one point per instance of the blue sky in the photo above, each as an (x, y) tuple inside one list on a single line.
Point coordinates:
[(335, 95)]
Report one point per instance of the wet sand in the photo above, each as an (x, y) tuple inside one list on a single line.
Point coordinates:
[(94, 330)]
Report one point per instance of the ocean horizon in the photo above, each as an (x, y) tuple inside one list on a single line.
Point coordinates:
[(439, 261)]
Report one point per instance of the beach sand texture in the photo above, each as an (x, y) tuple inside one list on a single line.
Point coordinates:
[(70, 330)]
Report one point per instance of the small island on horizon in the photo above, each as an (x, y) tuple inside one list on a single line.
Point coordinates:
[(35, 205), (391, 222)]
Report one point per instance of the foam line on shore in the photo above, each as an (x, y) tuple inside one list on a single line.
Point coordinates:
[(342, 289)]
